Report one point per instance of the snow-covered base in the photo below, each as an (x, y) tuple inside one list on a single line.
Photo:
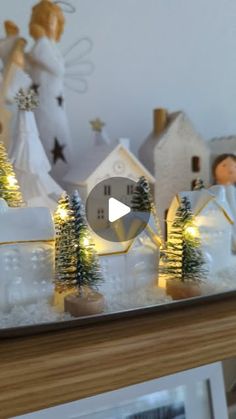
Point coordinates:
[(223, 280), (143, 297), (44, 312), (33, 314)]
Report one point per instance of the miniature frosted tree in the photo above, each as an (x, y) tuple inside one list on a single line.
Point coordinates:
[(9, 188), (66, 245), (77, 264), (184, 260), (142, 201), (199, 184), (88, 272)]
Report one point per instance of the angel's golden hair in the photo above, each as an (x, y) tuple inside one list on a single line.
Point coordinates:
[(41, 16)]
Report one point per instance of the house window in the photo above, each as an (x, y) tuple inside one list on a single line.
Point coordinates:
[(101, 214), (130, 189), (196, 167), (107, 190)]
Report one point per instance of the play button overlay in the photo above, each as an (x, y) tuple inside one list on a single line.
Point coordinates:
[(117, 210), (109, 210)]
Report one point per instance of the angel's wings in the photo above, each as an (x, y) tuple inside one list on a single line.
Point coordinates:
[(78, 66)]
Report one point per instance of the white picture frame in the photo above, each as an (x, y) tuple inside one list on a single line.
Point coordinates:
[(203, 396)]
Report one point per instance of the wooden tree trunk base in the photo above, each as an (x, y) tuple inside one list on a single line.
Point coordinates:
[(182, 290), (84, 305)]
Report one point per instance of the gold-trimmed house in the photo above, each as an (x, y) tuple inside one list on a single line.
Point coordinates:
[(129, 265), (27, 255), (214, 220)]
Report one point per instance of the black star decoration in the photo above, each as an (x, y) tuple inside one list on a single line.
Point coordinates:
[(35, 87), (57, 152), (60, 100)]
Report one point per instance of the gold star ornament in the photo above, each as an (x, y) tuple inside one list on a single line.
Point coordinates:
[(97, 125)]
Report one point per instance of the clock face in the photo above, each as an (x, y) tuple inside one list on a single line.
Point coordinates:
[(119, 167)]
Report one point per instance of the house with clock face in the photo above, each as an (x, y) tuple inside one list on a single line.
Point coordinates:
[(103, 163)]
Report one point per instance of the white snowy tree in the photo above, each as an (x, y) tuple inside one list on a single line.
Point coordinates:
[(29, 158)]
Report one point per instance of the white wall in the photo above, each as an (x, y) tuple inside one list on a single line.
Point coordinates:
[(149, 53)]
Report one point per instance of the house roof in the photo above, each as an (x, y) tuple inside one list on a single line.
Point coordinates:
[(27, 224), (105, 247), (200, 199), (81, 173), (153, 141), (229, 139)]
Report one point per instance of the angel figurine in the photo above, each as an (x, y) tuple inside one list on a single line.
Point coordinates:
[(51, 71), (47, 70)]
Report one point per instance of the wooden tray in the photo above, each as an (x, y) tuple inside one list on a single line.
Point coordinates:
[(46, 370)]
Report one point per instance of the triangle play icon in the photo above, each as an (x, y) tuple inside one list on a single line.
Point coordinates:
[(117, 210)]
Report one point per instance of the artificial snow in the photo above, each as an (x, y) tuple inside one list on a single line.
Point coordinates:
[(33, 314), (43, 312), (224, 280), (142, 297)]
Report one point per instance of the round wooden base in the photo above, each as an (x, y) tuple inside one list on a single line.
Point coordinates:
[(84, 305), (182, 290)]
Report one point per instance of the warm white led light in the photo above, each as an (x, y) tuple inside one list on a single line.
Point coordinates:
[(11, 180), (191, 231), (86, 242), (63, 214)]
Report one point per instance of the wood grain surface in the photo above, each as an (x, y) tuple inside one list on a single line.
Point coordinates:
[(46, 370)]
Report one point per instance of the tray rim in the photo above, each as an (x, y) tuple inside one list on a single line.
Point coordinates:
[(42, 328)]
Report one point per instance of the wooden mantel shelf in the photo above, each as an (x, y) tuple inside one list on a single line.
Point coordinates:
[(46, 370)]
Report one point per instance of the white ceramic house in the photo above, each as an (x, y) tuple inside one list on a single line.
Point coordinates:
[(103, 163), (129, 266), (27, 253), (215, 221), (176, 155)]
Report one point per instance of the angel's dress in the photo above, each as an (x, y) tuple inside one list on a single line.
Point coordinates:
[(31, 164), (47, 70)]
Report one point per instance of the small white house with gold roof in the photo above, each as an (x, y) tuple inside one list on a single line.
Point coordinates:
[(129, 265), (27, 255), (214, 220)]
